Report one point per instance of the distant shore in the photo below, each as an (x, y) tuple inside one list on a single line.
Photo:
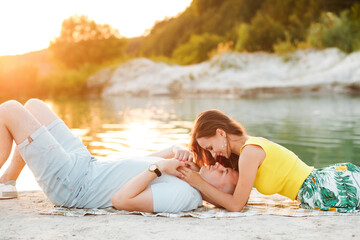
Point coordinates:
[(235, 75), (20, 219)]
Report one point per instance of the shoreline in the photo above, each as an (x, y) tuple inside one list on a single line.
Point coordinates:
[(20, 219), (235, 75)]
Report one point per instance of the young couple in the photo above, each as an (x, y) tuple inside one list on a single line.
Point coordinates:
[(231, 162)]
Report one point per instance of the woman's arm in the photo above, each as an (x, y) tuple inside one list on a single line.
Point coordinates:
[(165, 153), (174, 151), (135, 195), (249, 161)]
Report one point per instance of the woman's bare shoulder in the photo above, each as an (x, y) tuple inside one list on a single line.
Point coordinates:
[(252, 153)]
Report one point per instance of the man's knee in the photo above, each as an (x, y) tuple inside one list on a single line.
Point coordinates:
[(9, 106), (41, 111), (9, 110), (32, 103)]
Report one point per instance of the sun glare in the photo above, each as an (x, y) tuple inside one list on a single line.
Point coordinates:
[(27, 26), (130, 138)]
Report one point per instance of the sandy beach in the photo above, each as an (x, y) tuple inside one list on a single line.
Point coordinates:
[(21, 219)]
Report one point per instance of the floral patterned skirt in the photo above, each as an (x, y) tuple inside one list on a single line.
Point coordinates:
[(333, 188)]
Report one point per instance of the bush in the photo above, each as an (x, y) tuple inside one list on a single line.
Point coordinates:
[(243, 37), (222, 47), (68, 82), (197, 49), (260, 35), (336, 31), (284, 47)]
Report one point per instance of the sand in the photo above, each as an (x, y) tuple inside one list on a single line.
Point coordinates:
[(20, 219)]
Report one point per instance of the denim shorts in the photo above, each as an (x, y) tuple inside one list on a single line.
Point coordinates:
[(59, 161)]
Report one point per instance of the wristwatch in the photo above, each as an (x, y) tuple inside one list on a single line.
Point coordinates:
[(155, 169)]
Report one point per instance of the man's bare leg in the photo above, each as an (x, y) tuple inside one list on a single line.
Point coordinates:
[(16, 124), (13, 171), (45, 116)]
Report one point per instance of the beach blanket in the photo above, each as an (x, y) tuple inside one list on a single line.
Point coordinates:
[(258, 204)]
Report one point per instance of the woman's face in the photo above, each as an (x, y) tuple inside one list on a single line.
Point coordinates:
[(224, 179), (217, 145)]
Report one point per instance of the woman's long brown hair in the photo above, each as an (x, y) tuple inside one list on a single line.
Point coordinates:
[(205, 126)]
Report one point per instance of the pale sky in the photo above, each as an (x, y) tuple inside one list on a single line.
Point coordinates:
[(29, 25)]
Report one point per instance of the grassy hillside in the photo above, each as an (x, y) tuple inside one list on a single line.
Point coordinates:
[(257, 25)]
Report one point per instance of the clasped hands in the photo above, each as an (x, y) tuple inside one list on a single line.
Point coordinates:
[(183, 167)]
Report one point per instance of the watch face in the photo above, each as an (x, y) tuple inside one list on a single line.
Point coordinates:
[(152, 167)]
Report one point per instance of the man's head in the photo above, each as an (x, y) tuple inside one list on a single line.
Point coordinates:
[(224, 179)]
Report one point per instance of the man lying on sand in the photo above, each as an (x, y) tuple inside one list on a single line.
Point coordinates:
[(71, 177)]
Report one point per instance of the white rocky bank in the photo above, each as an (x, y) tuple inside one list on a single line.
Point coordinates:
[(235, 74)]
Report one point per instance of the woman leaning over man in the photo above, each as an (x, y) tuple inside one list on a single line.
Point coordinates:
[(219, 140)]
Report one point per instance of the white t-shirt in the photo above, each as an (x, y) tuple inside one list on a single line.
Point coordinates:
[(170, 194)]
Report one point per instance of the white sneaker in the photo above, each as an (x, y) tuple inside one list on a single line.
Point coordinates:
[(8, 190)]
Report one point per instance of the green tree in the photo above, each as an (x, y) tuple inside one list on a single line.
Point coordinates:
[(256, 25), (262, 34), (217, 17), (83, 41)]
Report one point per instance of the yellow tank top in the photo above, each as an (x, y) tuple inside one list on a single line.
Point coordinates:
[(281, 171)]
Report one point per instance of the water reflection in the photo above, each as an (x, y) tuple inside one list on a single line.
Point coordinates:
[(124, 126), (320, 130)]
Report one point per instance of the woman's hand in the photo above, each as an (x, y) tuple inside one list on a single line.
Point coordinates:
[(170, 166), (174, 151), (182, 154), (191, 177)]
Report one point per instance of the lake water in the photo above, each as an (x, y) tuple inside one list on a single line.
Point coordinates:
[(320, 130)]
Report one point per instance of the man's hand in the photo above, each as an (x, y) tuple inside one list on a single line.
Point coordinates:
[(170, 167)]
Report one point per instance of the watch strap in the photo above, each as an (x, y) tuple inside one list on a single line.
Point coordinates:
[(155, 169)]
